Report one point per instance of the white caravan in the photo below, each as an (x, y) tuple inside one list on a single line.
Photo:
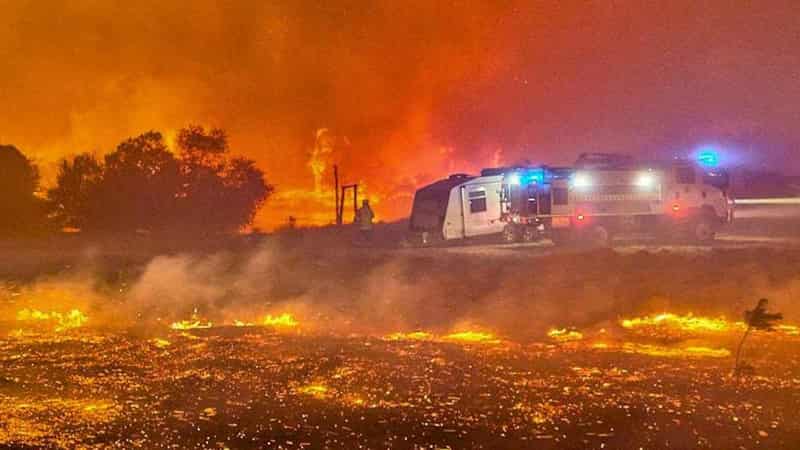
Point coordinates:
[(458, 207)]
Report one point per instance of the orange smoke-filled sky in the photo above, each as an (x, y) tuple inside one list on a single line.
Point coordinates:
[(409, 90)]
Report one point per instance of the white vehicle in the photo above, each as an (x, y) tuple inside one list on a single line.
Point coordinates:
[(609, 194), (458, 207)]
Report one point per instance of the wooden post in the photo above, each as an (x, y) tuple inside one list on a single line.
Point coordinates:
[(355, 202), (336, 193)]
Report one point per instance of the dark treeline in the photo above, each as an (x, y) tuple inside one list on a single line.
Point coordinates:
[(200, 189)]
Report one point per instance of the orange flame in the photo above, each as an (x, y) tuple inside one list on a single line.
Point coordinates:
[(688, 322), (473, 337), (564, 335), (285, 320), (412, 336), (62, 322)]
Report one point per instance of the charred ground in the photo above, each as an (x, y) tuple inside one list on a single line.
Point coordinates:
[(472, 346)]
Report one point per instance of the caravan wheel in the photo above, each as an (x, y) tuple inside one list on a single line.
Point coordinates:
[(510, 234), (530, 234), (704, 231)]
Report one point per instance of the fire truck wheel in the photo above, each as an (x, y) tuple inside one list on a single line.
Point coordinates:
[(599, 236), (510, 234), (561, 238), (704, 230), (530, 234)]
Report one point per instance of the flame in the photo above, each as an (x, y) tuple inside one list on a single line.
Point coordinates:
[(669, 352), (239, 323), (191, 324), (791, 330), (473, 336), (564, 335), (412, 336), (322, 148), (669, 322), (688, 322), (285, 320), (72, 319)]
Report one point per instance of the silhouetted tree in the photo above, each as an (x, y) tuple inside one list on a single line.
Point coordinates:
[(21, 212), (142, 185), (73, 200), (756, 319), (138, 190), (219, 193)]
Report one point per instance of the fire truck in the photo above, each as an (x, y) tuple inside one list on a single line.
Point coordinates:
[(608, 194)]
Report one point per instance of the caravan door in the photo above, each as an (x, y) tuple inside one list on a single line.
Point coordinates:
[(481, 207)]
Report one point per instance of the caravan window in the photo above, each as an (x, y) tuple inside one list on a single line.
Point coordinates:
[(477, 201)]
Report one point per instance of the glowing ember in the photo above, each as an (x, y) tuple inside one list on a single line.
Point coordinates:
[(669, 352), (285, 320), (688, 322), (160, 343), (791, 330), (72, 319), (355, 400), (564, 335), (473, 336), (316, 390), (413, 336), (239, 323)]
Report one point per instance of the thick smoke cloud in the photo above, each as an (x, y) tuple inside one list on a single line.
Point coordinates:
[(413, 90)]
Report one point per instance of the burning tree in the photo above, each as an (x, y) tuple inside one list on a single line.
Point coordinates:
[(756, 319)]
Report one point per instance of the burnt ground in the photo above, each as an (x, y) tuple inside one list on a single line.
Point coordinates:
[(122, 378), (254, 388)]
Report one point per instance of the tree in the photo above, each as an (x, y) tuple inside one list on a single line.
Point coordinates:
[(756, 319), (139, 186), (219, 193), (73, 198), (21, 212), (143, 186)]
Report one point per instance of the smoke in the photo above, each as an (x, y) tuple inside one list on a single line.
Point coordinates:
[(418, 88), (333, 289)]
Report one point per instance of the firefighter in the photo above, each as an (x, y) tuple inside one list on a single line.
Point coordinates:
[(364, 217)]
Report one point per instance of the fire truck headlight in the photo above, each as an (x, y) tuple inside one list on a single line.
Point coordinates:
[(581, 181), (646, 180), (513, 179)]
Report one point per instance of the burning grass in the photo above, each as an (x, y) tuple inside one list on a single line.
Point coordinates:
[(284, 320), (191, 324), (57, 320), (476, 337), (564, 335), (675, 352), (686, 323), (411, 336)]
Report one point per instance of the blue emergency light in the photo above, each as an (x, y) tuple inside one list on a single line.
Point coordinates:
[(526, 177), (708, 158)]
